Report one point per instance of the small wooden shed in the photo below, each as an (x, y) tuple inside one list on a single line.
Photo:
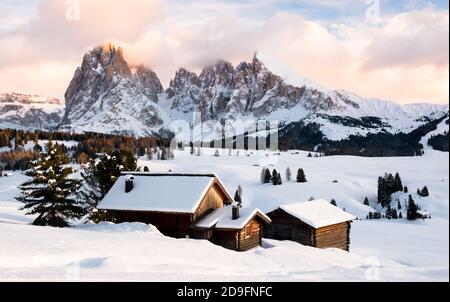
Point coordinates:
[(314, 223), (232, 227)]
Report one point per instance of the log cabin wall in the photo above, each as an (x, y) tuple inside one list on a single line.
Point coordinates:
[(170, 224), (286, 227), (333, 236), (250, 236), (226, 239)]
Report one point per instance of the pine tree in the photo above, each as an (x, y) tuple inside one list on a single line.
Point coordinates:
[(301, 178), (237, 197), (275, 179), (240, 190), (268, 176), (100, 176), (419, 192), (400, 215), (366, 201), (412, 209), (398, 183), (262, 176), (280, 179), (425, 192), (399, 205), (310, 155), (333, 202), (405, 189), (216, 153), (51, 193), (288, 174)]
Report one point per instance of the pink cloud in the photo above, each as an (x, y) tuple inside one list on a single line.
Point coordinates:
[(386, 61)]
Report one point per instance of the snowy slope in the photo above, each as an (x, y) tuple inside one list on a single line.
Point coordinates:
[(380, 250)]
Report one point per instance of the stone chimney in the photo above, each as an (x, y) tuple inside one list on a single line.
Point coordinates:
[(129, 183)]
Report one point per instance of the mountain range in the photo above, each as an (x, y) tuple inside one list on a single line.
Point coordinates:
[(109, 95)]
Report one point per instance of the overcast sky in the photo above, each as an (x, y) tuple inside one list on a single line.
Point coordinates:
[(388, 49)]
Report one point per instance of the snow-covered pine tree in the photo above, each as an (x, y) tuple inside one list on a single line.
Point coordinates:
[(366, 201), (50, 193), (275, 180), (424, 192), (268, 176), (237, 197), (412, 209), (333, 202), (262, 176), (280, 179), (301, 178), (288, 174), (100, 176), (398, 183)]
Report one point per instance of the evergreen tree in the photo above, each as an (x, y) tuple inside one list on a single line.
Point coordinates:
[(425, 192), (301, 178), (237, 197), (309, 154), (405, 189), (400, 215), (412, 209), (333, 202), (275, 180), (288, 174), (240, 190), (268, 176), (262, 176), (370, 215), (280, 179), (384, 194), (101, 175), (366, 201), (398, 183), (216, 153), (399, 205), (419, 192), (51, 193)]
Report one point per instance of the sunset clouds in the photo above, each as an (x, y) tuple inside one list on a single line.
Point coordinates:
[(404, 57)]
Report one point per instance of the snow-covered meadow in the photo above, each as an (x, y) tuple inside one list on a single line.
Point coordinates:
[(381, 250)]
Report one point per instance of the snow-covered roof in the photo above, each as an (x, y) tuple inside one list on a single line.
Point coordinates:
[(317, 213), (158, 193), (223, 218)]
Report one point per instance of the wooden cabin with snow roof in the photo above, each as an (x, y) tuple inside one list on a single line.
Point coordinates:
[(314, 223), (185, 206)]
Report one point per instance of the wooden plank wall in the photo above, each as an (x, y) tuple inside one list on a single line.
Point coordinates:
[(254, 240)]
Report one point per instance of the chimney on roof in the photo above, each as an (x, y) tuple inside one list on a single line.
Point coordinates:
[(129, 183), (235, 211)]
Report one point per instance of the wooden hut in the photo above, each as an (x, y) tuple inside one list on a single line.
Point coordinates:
[(314, 223), (175, 203), (233, 227)]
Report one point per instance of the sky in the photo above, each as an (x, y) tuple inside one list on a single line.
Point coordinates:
[(388, 49)]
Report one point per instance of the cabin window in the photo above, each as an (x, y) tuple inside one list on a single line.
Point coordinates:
[(248, 231)]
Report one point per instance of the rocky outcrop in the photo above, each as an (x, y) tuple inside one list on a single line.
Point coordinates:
[(30, 111)]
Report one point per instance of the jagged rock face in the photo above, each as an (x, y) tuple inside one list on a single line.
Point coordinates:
[(250, 89), (30, 111), (106, 91), (108, 95)]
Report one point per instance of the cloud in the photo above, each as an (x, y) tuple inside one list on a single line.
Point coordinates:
[(383, 61), (410, 40), (63, 30)]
